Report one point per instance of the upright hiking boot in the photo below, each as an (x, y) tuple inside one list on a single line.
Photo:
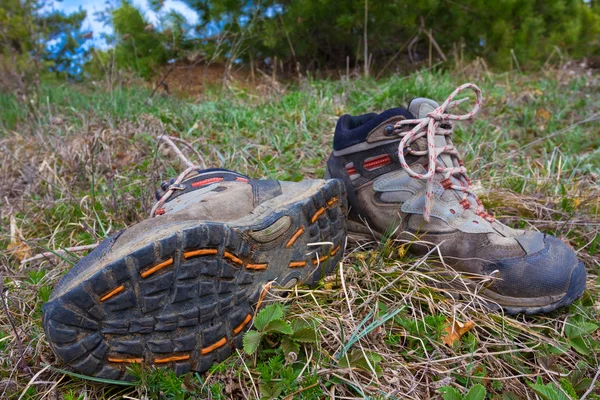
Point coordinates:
[(181, 288), (405, 180)]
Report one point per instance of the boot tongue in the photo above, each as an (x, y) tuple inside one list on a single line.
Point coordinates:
[(420, 107)]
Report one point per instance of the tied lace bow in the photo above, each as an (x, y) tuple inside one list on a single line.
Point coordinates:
[(430, 126)]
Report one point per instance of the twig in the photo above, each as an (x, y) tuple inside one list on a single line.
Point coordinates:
[(22, 362), (32, 380), (435, 44), (291, 396), (249, 374), (514, 56), (391, 60), (591, 388), (60, 252), (365, 33), (161, 81), (186, 144)]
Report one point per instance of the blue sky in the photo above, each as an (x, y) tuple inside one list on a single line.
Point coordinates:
[(92, 6)]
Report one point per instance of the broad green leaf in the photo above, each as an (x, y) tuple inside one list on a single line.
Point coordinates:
[(477, 392), (305, 335), (278, 325), (270, 391), (356, 359), (450, 393), (568, 388), (252, 341), (574, 328), (289, 346), (299, 323), (268, 314), (579, 345), (560, 348), (548, 392)]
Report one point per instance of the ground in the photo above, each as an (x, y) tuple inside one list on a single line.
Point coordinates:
[(82, 161)]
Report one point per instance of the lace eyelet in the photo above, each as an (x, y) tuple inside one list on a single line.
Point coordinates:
[(389, 130)]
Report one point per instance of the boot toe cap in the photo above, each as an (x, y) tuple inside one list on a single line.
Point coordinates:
[(551, 275)]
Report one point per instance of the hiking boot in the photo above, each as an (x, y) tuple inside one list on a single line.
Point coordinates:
[(405, 180), (180, 289)]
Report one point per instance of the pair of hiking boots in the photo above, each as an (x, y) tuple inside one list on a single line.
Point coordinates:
[(181, 288)]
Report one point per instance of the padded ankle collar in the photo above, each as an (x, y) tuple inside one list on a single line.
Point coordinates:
[(353, 130)]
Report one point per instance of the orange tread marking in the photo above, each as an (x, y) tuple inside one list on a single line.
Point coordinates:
[(319, 212), (172, 358), (256, 266), (320, 260), (294, 237), (241, 326), (152, 270), (296, 264), (112, 293), (333, 200), (233, 258), (214, 346), (125, 360), (334, 251), (202, 252)]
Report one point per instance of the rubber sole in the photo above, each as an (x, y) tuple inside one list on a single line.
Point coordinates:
[(575, 290), (185, 300)]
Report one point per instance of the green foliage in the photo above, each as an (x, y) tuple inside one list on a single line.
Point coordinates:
[(26, 29), (578, 331), (34, 277), (319, 33), (549, 391), (140, 47), (367, 361), (269, 323), (287, 135), (477, 392), (279, 378)]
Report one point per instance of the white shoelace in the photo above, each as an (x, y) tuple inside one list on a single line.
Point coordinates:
[(176, 184), (429, 127)]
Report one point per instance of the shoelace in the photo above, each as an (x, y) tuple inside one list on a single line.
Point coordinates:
[(430, 126), (176, 184)]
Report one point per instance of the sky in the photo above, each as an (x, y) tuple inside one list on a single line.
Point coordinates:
[(92, 6)]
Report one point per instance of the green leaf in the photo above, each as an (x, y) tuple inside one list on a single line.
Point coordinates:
[(548, 392), (280, 326), (568, 388), (511, 396), (270, 392), (299, 323), (289, 346), (477, 392), (268, 314), (356, 359), (252, 341), (450, 393), (305, 335), (579, 345), (575, 329)]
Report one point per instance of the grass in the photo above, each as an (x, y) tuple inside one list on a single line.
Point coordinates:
[(84, 163)]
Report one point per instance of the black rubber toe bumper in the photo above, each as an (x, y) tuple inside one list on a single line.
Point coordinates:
[(541, 282)]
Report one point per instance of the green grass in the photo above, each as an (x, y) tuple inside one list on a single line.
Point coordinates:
[(84, 163)]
